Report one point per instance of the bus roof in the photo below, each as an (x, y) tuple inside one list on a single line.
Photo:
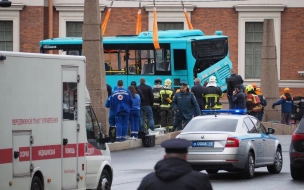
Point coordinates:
[(164, 36)]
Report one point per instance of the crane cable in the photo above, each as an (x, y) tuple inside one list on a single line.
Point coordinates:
[(187, 17), (105, 21), (138, 24), (155, 29)]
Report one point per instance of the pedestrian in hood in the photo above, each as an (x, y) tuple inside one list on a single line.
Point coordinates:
[(174, 172)]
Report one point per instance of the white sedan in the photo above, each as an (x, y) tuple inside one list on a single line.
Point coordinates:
[(232, 142)]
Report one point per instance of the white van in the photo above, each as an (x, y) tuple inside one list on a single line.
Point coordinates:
[(49, 135)]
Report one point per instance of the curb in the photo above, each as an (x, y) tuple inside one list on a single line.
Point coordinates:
[(280, 129), (135, 143)]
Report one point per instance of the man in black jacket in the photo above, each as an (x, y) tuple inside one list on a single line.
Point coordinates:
[(198, 91), (232, 81), (146, 106), (174, 172), (238, 98)]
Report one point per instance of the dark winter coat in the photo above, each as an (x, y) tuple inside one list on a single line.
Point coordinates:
[(239, 100), (232, 81), (198, 92), (148, 94), (186, 103), (177, 174)]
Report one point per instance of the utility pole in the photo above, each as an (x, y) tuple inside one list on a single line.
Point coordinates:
[(269, 71), (95, 70)]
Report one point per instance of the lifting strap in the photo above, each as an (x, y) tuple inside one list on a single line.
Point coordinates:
[(105, 21), (138, 24), (187, 17), (155, 29)]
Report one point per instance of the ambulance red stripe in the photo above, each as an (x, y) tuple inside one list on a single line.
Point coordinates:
[(48, 152), (6, 156)]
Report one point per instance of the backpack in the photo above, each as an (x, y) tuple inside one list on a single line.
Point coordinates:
[(257, 105)]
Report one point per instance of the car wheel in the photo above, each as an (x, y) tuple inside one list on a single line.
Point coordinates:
[(212, 171), (36, 184), (278, 163), (296, 173), (248, 172), (104, 181)]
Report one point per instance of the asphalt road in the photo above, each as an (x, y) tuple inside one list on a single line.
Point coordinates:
[(130, 166)]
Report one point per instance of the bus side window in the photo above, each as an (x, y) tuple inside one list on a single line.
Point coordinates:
[(162, 60), (180, 59)]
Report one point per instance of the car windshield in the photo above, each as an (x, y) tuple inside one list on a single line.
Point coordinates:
[(211, 124)]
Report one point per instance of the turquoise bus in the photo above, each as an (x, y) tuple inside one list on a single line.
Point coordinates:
[(184, 55)]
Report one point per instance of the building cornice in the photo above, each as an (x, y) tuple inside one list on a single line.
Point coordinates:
[(260, 7), (168, 7), (13, 7), (75, 7)]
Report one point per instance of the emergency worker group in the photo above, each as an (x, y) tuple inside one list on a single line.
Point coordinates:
[(144, 107)]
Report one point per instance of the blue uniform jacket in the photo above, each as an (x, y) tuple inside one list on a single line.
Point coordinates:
[(136, 102), (107, 105), (185, 102), (121, 101), (286, 105)]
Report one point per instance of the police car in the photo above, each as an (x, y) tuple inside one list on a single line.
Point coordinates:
[(234, 142)]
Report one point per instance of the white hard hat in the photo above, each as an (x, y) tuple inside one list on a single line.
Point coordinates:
[(212, 79), (168, 82)]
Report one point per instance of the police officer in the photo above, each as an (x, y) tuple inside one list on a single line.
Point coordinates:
[(166, 97), (174, 172), (156, 101), (184, 104), (212, 94)]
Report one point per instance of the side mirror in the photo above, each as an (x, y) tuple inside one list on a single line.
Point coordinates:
[(270, 130)]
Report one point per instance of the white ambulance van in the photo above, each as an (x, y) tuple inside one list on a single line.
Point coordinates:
[(50, 138)]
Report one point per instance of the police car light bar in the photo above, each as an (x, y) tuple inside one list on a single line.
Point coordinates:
[(232, 111)]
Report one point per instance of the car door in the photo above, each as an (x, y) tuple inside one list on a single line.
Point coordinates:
[(268, 142), (256, 140)]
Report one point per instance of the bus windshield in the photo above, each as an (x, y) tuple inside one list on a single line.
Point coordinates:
[(184, 55)]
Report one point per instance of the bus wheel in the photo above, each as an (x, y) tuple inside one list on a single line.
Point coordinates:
[(36, 184), (105, 181)]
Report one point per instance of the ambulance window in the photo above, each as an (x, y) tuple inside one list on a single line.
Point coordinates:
[(91, 123), (69, 101)]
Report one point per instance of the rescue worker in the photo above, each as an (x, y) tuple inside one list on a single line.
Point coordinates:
[(286, 102), (251, 101), (254, 85), (166, 97), (138, 91), (121, 102), (134, 112), (174, 172), (263, 102), (111, 120), (232, 81), (184, 104), (198, 91), (212, 94), (156, 101)]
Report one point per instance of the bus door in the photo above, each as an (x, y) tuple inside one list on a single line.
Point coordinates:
[(179, 63)]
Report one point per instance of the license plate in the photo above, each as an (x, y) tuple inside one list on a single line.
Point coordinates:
[(202, 144)]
